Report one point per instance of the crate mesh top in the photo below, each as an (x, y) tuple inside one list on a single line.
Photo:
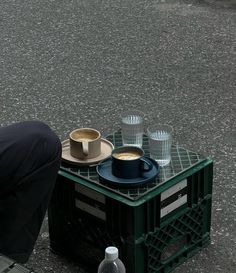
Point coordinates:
[(181, 160)]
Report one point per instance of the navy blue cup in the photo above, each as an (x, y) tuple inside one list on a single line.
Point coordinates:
[(129, 162)]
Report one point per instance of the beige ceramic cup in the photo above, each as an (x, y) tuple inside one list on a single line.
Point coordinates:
[(85, 143)]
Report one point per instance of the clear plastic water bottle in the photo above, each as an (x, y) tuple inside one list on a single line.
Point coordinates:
[(111, 263)]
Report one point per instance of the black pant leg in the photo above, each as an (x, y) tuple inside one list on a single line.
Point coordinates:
[(30, 156)]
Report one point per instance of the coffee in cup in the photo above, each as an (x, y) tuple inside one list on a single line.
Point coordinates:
[(129, 162), (129, 155), (85, 143)]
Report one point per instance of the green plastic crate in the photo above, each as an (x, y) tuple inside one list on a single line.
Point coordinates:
[(156, 226), (7, 265)]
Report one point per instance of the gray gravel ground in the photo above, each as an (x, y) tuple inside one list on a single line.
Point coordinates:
[(74, 63)]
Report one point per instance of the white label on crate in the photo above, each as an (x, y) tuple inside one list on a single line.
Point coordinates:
[(90, 193), (90, 201), (174, 197), (90, 209), (173, 205)]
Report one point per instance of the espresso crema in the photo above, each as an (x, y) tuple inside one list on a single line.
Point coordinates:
[(127, 155)]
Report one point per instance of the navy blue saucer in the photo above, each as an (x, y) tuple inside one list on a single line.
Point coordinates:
[(105, 174)]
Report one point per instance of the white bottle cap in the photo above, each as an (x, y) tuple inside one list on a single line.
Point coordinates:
[(111, 253)]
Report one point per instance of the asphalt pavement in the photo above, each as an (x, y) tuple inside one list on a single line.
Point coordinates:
[(81, 63)]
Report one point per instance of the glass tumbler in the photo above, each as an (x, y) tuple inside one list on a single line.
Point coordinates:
[(132, 128), (160, 140)]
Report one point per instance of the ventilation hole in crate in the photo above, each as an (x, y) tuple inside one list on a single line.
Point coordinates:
[(84, 230), (173, 239), (173, 248)]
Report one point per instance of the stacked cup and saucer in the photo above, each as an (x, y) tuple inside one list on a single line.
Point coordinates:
[(85, 147), (128, 166)]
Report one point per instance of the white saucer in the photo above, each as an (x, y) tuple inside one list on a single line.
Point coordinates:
[(106, 149)]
